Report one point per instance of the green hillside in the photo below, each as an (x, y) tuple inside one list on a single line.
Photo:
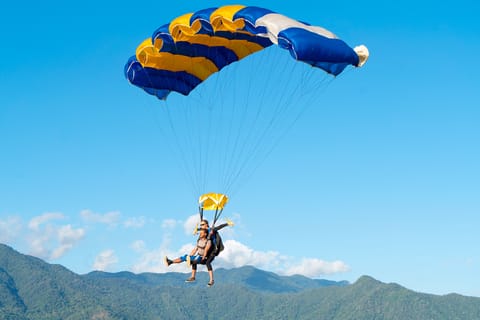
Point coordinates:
[(33, 289)]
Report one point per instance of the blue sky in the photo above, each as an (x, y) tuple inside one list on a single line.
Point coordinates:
[(380, 178)]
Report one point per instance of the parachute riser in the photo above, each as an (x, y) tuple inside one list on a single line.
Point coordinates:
[(218, 213), (200, 211)]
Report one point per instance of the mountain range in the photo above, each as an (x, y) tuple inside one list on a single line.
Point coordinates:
[(32, 289)]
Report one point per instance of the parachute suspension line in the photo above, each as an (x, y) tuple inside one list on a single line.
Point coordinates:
[(197, 146), (313, 84), (219, 87), (212, 129), (225, 126), (216, 216), (218, 213), (204, 141), (200, 143), (316, 81), (232, 131), (230, 147), (232, 136), (177, 148), (282, 106), (183, 146), (286, 107), (235, 123), (242, 141), (166, 109), (209, 139), (198, 123), (205, 137)]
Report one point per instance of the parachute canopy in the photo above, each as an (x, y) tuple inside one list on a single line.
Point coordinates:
[(183, 53), (212, 201), (229, 116)]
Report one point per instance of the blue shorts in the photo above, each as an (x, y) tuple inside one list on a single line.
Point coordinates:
[(196, 258)]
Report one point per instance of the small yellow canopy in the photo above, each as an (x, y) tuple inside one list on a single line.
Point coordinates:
[(212, 201)]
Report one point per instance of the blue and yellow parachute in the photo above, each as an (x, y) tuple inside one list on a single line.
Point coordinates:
[(184, 53), (226, 127)]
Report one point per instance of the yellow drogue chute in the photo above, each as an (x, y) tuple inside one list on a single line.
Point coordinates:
[(212, 202)]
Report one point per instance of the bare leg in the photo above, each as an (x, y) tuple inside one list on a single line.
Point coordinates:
[(194, 273), (169, 262)]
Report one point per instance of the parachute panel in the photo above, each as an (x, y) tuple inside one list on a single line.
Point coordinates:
[(212, 201), (238, 29)]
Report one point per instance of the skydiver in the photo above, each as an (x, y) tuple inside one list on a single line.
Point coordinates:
[(203, 252), (213, 237), (196, 256), (213, 231)]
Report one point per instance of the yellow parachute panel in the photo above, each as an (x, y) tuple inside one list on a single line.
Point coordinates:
[(222, 19), (212, 201)]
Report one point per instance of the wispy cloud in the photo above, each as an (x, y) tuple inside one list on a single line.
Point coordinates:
[(111, 218), (50, 241), (105, 260), (190, 224), (10, 228), (314, 268), (152, 260), (138, 246), (134, 222), (169, 224), (37, 221), (236, 255), (149, 261)]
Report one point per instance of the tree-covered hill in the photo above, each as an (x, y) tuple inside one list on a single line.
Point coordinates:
[(33, 289)]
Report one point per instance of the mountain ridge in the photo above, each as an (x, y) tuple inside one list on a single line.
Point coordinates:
[(33, 289)]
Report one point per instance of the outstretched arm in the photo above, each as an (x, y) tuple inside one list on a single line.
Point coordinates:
[(229, 223), (220, 227)]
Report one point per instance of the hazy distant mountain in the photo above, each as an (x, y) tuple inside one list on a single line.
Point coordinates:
[(33, 289), (247, 277)]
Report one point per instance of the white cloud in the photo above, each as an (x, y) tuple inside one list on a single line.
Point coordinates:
[(35, 222), (313, 268), (10, 228), (105, 260), (153, 260), (67, 238), (50, 241), (191, 223), (110, 218), (150, 261), (135, 222), (169, 224), (237, 255), (138, 246)]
